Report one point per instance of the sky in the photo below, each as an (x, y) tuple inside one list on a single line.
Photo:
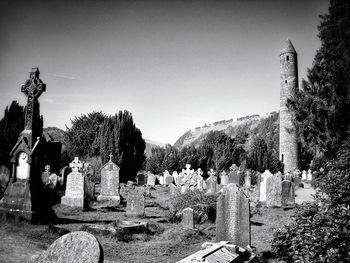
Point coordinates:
[(174, 65)]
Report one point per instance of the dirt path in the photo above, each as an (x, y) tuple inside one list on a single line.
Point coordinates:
[(304, 194)]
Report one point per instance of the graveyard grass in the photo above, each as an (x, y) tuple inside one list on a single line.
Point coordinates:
[(166, 242)]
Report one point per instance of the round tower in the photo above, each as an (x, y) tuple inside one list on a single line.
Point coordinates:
[(288, 151)]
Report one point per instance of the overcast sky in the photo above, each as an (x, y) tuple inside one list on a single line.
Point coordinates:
[(174, 65)]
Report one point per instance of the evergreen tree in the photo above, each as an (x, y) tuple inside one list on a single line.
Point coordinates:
[(119, 136), (11, 125), (322, 105), (82, 135)]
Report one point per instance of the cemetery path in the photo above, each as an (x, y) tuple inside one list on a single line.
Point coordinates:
[(304, 194)]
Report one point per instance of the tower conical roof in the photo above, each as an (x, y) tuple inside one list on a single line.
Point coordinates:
[(288, 47)]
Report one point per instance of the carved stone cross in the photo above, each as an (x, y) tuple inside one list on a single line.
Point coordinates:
[(199, 172), (33, 88), (110, 157), (76, 164), (211, 172)]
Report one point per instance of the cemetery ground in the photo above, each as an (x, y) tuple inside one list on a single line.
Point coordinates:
[(164, 241)]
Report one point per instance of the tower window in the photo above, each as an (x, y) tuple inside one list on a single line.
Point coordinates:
[(282, 158), (285, 81), (287, 58)]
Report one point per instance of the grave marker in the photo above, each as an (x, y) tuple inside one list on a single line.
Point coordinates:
[(187, 218)]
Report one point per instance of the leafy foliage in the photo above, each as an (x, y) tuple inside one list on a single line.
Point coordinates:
[(204, 206), (11, 126), (321, 230), (322, 106), (81, 136)]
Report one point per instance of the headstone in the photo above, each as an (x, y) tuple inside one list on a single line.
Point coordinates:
[(264, 177), (135, 205), (288, 195), (184, 188), (288, 176), (174, 190), (304, 176), (161, 180), (175, 176), (309, 175), (200, 183), (212, 182), (274, 191), (187, 218), (74, 195), (247, 179), (141, 178), (76, 247), (110, 184), (151, 180), (188, 172), (233, 176), (180, 179), (223, 178), (233, 216), (168, 179)]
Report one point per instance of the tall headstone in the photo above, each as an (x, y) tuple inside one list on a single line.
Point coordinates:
[(212, 182), (141, 178), (233, 216), (151, 180), (168, 179), (110, 184), (247, 179), (233, 176), (135, 204), (74, 195), (274, 191), (175, 176), (304, 176), (309, 175), (187, 218), (264, 177), (223, 178), (288, 194)]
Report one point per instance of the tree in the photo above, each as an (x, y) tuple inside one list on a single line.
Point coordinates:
[(322, 105), (11, 125), (82, 135), (119, 136)]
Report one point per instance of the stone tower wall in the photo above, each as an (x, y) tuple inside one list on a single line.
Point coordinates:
[(288, 149)]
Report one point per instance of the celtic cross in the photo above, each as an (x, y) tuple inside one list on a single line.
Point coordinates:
[(32, 89)]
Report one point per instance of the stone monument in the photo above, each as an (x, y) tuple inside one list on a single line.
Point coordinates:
[(74, 195), (110, 184), (233, 216)]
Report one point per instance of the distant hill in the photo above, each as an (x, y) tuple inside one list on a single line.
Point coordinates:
[(151, 144), (265, 126)]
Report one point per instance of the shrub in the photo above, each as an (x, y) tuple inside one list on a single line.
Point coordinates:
[(321, 229), (204, 206)]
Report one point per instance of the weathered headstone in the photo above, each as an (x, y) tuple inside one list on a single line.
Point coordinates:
[(264, 177), (151, 180), (187, 218), (233, 176), (233, 216), (141, 178), (161, 180), (135, 205), (247, 179), (168, 179), (200, 183), (304, 176), (274, 191), (309, 175), (110, 184), (223, 178), (74, 195), (180, 179), (188, 172), (175, 176), (212, 182), (288, 194), (76, 247)]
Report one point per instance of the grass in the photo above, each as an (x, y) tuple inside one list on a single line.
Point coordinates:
[(165, 242)]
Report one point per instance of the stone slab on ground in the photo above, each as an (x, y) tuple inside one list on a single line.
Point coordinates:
[(76, 247)]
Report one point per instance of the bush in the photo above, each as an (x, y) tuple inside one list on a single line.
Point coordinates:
[(204, 206), (320, 231)]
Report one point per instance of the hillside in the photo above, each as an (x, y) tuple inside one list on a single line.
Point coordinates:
[(151, 144), (265, 126)]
